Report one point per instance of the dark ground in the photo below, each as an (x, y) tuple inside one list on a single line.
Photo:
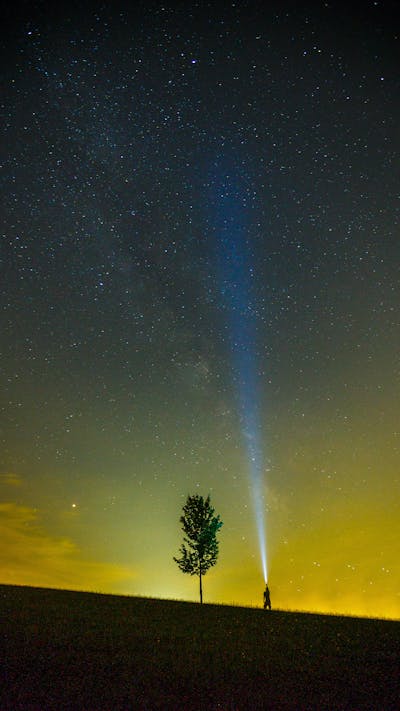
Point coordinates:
[(70, 650)]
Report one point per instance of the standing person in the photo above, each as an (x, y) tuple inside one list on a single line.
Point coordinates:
[(267, 598)]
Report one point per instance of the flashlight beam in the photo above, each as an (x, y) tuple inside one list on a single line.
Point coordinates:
[(237, 283)]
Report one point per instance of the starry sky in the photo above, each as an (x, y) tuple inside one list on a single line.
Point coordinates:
[(200, 250)]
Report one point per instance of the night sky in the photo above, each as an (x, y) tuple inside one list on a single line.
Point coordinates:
[(199, 261)]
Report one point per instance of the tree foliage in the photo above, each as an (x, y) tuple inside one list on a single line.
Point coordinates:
[(199, 551)]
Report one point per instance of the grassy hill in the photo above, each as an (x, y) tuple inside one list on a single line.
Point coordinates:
[(70, 650)]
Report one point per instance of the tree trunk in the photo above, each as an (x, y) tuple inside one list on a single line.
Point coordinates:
[(201, 589)]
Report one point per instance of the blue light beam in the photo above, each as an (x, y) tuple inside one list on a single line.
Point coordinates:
[(236, 275)]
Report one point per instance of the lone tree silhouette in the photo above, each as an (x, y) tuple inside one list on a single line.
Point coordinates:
[(200, 527)]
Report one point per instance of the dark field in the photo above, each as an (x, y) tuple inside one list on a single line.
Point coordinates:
[(71, 650)]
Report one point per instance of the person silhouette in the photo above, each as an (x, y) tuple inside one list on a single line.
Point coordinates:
[(267, 598)]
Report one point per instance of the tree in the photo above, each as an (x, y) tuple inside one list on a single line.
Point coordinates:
[(200, 548)]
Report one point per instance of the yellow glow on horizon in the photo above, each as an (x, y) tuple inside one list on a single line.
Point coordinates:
[(337, 566)]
